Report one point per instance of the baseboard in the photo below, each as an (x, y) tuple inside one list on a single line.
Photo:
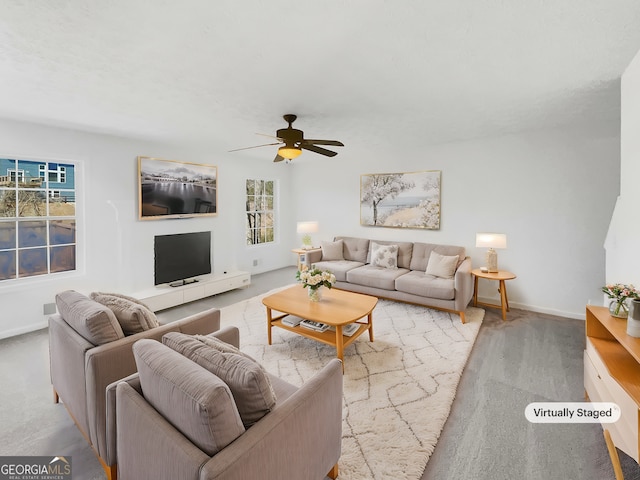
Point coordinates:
[(535, 308), (22, 330)]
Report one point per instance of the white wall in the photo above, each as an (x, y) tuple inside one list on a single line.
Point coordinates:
[(118, 248), (622, 261), (551, 192)]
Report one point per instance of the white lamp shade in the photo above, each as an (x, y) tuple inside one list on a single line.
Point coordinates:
[(491, 240), (307, 227)]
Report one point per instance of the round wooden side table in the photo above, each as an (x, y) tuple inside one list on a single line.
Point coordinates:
[(501, 276)]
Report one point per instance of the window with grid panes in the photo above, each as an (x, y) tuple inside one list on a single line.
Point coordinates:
[(37, 218), (260, 212)]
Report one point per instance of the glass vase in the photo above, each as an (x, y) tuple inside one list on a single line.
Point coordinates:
[(314, 294), (618, 309)]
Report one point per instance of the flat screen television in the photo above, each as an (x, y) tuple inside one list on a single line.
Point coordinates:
[(181, 257), (174, 189)]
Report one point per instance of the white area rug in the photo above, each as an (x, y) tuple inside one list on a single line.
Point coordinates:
[(398, 390)]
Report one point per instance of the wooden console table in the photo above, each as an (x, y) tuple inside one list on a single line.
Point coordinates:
[(612, 374)]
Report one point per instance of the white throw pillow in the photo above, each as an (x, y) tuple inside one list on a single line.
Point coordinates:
[(384, 255), (441, 265), (332, 250)]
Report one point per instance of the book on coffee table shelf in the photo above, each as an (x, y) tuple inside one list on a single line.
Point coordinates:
[(291, 321), (315, 326), (350, 329)]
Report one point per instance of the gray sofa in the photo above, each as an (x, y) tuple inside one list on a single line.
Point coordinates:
[(176, 419), (88, 351), (423, 273)]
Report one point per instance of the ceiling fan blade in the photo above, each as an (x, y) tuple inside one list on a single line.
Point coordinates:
[(278, 158), (320, 150), (270, 136), (256, 146), (335, 143)]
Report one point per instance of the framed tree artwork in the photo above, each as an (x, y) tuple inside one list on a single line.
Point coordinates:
[(401, 200)]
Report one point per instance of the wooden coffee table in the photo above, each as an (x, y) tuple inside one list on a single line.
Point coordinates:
[(337, 308)]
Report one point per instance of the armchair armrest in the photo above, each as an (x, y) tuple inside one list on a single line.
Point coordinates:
[(230, 335), (67, 350)]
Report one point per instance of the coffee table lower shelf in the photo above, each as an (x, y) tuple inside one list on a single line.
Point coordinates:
[(329, 336)]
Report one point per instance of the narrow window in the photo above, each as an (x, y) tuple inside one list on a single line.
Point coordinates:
[(260, 211)]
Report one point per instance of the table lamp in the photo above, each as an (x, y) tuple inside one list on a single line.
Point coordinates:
[(491, 241), (306, 229)]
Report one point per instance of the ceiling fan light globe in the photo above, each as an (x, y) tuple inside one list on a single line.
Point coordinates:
[(289, 152)]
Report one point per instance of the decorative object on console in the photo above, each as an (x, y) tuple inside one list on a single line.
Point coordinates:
[(633, 320), (174, 189), (491, 241), (401, 200), (314, 279), (306, 229), (619, 294)]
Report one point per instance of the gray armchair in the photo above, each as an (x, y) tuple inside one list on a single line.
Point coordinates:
[(299, 438), (81, 370)]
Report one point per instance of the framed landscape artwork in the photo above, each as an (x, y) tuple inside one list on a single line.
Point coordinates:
[(174, 189), (401, 200)]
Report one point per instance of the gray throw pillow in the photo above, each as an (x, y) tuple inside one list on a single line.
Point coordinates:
[(332, 250), (384, 255), (441, 265), (133, 315), (196, 402), (93, 321), (247, 380)]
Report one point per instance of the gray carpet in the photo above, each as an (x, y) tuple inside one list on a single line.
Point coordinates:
[(531, 357)]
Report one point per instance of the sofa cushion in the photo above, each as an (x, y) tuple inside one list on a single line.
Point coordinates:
[(93, 321), (332, 250), (419, 283), (422, 252), (195, 401), (385, 256), (355, 249), (249, 383), (339, 268), (376, 277), (442, 266), (133, 315), (405, 250)]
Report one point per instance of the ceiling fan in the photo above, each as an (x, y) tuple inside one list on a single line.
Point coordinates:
[(293, 142)]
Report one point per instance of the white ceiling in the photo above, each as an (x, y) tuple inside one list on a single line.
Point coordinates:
[(214, 72)]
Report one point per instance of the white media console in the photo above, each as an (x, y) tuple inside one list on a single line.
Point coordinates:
[(165, 296)]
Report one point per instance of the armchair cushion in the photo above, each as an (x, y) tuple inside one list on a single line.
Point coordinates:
[(133, 315), (249, 383), (93, 321), (193, 400)]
